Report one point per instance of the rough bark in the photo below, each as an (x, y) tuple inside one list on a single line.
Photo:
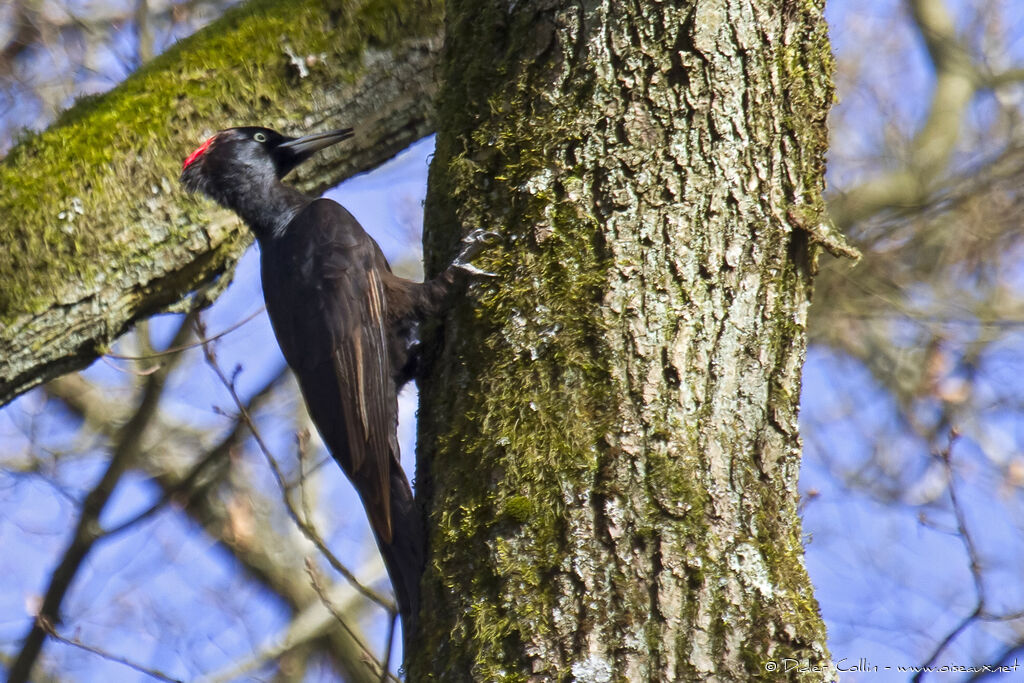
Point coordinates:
[(97, 232), (608, 433)]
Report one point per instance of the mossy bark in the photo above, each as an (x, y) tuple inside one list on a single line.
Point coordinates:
[(97, 232), (608, 430)]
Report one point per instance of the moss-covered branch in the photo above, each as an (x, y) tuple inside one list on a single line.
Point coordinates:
[(97, 233)]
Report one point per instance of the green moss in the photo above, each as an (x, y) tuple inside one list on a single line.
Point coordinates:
[(675, 483), (806, 65), (105, 155), (779, 543), (518, 509), (529, 423)]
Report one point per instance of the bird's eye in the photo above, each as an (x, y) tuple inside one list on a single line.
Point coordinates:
[(259, 137)]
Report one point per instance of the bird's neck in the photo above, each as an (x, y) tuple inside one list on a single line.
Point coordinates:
[(267, 208)]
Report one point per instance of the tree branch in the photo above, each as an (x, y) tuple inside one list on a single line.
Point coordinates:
[(152, 673), (88, 530), (262, 556), (302, 523), (956, 82), (307, 626), (980, 612), (105, 237)]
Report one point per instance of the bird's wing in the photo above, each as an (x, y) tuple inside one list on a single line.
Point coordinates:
[(348, 268), (361, 366)]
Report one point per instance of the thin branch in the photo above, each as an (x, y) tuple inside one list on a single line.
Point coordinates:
[(302, 452), (88, 531), (385, 670), (961, 522), (184, 347), (1012, 651), (137, 373), (214, 455), (304, 525), (308, 626), (974, 560), (152, 673), (340, 618), (266, 557)]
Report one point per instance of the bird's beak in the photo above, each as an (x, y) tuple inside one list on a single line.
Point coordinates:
[(307, 145)]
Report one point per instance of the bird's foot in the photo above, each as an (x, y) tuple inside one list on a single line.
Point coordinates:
[(472, 245)]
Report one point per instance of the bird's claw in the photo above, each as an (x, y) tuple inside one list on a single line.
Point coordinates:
[(471, 269), (472, 245), (477, 238), (480, 234)]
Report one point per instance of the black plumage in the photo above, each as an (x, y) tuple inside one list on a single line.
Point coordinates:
[(345, 323)]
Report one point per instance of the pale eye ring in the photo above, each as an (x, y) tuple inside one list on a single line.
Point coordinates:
[(259, 137)]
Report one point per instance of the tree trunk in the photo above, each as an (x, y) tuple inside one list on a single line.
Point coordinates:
[(97, 232), (608, 434)]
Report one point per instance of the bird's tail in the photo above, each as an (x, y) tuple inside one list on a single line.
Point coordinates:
[(403, 553)]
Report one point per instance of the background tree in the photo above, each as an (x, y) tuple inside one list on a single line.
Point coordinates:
[(922, 336), (926, 171)]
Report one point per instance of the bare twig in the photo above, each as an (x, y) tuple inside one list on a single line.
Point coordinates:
[(88, 531), (385, 670), (980, 611), (183, 347), (301, 451), (314, 579), (137, 373), (263, 556), (307, 628), (304, 525), (152, 673), (1013, 651), (972, 554)]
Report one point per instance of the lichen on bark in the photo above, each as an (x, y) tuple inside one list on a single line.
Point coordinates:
[(609, 442)]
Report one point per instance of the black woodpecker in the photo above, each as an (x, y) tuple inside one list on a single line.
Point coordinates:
[(346, 325)]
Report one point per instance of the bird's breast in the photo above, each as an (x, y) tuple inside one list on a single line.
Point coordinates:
[(295, 301)]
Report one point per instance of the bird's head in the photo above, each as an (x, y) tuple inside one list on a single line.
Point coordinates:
[(250, 156)]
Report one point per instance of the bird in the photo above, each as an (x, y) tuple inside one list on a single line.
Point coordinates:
[(346, 325)]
